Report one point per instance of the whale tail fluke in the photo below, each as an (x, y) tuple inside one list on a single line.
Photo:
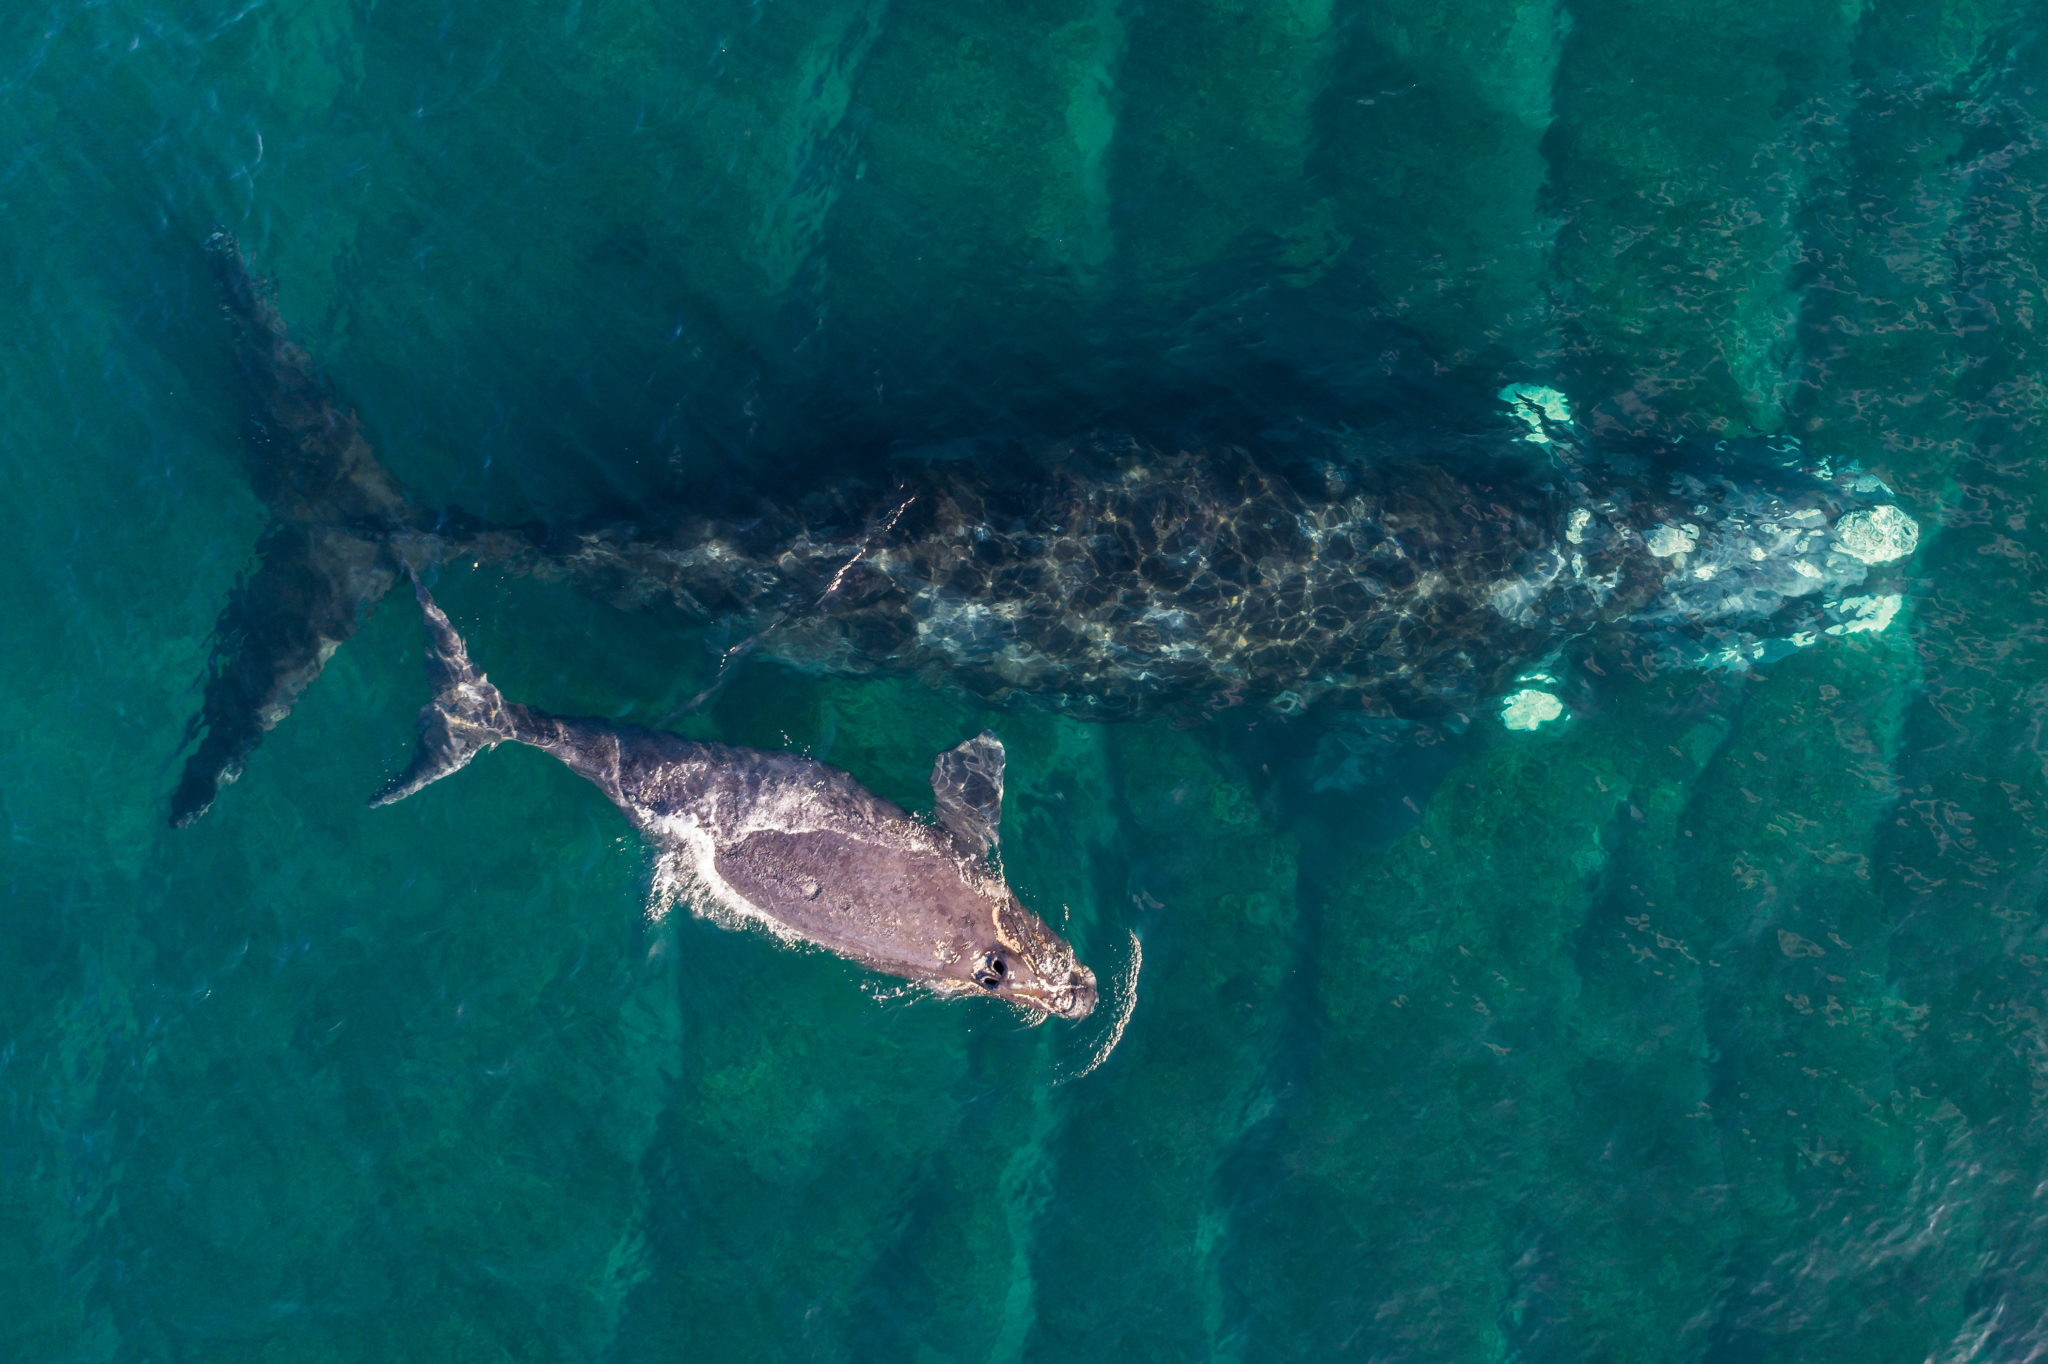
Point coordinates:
[(305, 449), (466, 716), (310, 588), (326, 557)]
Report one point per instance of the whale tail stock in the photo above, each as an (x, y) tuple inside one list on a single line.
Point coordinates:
[(326, 557), (466, 716)]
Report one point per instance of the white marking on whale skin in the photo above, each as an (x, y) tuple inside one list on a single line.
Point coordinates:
[(1529, 709), (1534, 404), (1877, 535), (1873, 614), (691, 864), (686, 870), (1668, 541), (686, 867), (1127, 1004)]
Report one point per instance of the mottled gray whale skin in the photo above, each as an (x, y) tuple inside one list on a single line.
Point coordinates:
[(785, 843), (1100, 575)]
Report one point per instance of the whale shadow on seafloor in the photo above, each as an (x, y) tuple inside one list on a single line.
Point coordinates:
[(1368, 583)]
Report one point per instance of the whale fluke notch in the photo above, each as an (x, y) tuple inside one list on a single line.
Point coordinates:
[(466, 716), (967, 785), (326, 557)]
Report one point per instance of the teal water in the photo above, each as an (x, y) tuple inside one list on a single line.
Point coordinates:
[(1706, 1024)]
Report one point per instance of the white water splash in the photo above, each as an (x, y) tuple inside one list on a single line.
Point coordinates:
[(1127, 1004)]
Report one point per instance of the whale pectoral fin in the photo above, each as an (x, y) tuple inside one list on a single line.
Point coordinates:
[(967, 783), (311, 588)]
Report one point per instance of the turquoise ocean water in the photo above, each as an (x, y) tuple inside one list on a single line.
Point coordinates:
[(1708, 1023)]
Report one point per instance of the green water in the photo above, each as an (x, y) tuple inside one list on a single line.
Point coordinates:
[(1707, 1024)]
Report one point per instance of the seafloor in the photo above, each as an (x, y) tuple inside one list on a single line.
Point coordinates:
[(1706, 1022)]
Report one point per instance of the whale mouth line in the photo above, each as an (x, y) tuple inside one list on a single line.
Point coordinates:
[(1075, 1000)]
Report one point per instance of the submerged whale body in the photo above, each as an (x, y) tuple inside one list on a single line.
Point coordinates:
[(1100, 575), (783, 842)]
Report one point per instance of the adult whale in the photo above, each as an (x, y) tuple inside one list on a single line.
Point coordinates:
[(783, 842), (1099, 575)]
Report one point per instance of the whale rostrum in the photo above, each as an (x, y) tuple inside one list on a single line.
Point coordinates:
[(1100, 575), (783, 842)]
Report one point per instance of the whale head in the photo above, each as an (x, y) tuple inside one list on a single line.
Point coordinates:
[(1012, 953), (1024, 962)]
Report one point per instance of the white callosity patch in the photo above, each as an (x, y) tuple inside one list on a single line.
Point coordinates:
[(1873, 614), (1529, 708), (1582, 530), (1788, 555), (1855, 615), (1761, 549), (1737, 656), (1537, 406), (1877, 535), (1670, 541)]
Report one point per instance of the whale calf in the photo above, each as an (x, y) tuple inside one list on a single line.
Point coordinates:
[(1100, 575), (785, 843)]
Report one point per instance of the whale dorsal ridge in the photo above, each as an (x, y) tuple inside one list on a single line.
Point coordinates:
[(968, 784)]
